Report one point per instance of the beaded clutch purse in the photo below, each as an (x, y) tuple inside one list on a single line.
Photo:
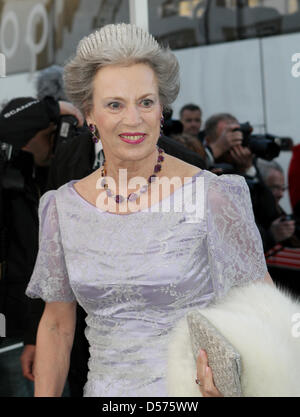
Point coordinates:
[(223, 358)]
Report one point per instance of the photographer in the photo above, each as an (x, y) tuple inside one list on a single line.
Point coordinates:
[(223, 144), (27, 130), (279, 231), (294, 180)]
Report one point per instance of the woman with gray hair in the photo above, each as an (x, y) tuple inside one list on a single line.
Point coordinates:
[(106, 243)]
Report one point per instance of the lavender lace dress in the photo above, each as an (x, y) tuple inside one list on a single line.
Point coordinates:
[(136, 275)]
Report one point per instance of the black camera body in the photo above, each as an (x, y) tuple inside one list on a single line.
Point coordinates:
[(263, 146), (287, 217), (6, 151), (16, 165), (66, 129)]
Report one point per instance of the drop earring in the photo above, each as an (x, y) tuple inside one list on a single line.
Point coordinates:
[(161, 126), (92, 129)]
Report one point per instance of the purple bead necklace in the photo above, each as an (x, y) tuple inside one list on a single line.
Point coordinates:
[(133, 196)]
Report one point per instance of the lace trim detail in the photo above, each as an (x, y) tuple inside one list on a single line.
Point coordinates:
[(236, 253)]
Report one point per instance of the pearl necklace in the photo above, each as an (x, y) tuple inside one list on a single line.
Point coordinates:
[(132, 196)]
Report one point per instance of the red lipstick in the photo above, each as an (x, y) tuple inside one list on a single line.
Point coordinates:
[(126, 137)]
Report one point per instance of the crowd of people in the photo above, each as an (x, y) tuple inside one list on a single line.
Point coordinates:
[(224, 153), (37, 157)]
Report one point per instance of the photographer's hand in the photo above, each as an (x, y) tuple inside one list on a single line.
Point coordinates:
[(68, 108), (282, 230), (242, 158), (227, 140)]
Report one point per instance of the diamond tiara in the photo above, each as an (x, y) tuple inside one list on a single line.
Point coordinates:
[(111, 35)]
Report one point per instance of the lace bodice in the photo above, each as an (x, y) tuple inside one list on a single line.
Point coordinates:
[(136, 275)]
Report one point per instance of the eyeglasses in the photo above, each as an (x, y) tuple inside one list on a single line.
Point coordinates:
[(278, 188)]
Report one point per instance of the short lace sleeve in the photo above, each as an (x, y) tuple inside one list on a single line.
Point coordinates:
[(235, 247), (49, 279)]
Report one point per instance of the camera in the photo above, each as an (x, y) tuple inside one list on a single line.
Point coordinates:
[(263, 146), (66, 129), (6, 151), (15, 166), (288, 217)]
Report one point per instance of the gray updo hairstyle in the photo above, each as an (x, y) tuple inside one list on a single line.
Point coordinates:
[(121, 44)]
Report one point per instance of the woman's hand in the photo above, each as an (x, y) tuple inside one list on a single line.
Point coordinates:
[(27, 361), (205, 377)]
